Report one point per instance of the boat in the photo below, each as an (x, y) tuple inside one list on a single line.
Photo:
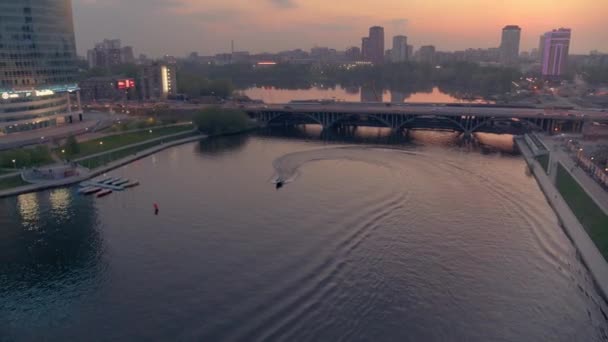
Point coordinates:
[(121, 182), (110, 180), (103, 193), (89, 190), (103, 180), (279, 184), (131, 184)]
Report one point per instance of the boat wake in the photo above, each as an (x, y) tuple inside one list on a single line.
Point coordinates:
[(287, 168)]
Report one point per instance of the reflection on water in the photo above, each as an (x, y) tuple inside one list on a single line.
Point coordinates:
[(484, 142), (49, 256), (425, 240), (366, 93), (218, 146), (29, 210)]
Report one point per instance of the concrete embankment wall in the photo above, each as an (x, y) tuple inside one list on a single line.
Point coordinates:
[(587, 249)]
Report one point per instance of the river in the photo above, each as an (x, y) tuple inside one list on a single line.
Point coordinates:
[(420, 241), (353, 94)]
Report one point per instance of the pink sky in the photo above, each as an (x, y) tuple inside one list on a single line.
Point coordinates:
[(177, 27)]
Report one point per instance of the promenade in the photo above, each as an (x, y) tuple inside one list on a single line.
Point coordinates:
[(560, 155), (590, 255), (100, 170)]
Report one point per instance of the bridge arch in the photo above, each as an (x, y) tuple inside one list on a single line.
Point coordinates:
[(488, 120), (347, 117)]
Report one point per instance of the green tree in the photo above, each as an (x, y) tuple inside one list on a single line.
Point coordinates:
[(71, 146), (216, 120)]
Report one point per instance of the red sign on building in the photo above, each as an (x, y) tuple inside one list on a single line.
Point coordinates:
[(125, 84)]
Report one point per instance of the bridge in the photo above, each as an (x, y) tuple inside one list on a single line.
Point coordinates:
[(465, 118)]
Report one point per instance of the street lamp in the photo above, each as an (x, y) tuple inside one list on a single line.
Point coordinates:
[(14, 163), (101, 143), (63, 151), (150, 131)]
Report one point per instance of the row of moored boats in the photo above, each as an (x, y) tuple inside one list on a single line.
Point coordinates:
[(106, 186)]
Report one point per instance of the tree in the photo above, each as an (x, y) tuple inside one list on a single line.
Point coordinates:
[(71, 146), (216, 120)]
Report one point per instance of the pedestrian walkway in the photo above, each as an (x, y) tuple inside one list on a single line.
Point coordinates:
[(591, 187), (592, 257), (98, 171)]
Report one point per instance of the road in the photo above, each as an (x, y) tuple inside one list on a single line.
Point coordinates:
[(93, 121), (432, 109)]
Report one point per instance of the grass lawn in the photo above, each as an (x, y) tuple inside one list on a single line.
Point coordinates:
[(13, 182), (24, 157), (95, 162), (588, 213), (116, 141)]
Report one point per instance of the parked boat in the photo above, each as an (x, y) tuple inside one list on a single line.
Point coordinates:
[(110, 180), (131, 184), (89, 190), (103, 193), (121, 182)]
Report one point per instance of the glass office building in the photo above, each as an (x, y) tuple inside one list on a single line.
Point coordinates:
[(37, 65)]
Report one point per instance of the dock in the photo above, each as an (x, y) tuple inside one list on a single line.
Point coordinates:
[(107, 185)]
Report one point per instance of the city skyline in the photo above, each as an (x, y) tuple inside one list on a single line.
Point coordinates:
[(275, 25)]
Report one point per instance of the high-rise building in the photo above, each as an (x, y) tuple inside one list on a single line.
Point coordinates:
[(399, 51), (353, 53), (556, 47), (541, 48), (157, 81), (365, 48), (509, 45), (38, 65), (110, 53), (426, 54), (376, 44)]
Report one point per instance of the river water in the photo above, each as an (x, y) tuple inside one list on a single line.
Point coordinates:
[(352, 94), (421, 241)]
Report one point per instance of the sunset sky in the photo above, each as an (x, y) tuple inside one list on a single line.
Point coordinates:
[(158, 27)]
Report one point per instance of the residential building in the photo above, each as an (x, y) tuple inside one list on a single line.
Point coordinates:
[(426, 54), (353, 54), (376, 45), (365, 48), (556, 47), (240, 57), (157, 81), (38, 65), (509, 45), (111, 88), (399, 50), (110, 53)]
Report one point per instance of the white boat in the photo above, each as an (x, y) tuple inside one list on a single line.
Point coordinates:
[(89, 190), (103, 193), (131, 184), (110, 180), (103, 180), (121, 182)]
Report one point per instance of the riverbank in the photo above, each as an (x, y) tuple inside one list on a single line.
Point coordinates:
[(100, 170), (589, 252)]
